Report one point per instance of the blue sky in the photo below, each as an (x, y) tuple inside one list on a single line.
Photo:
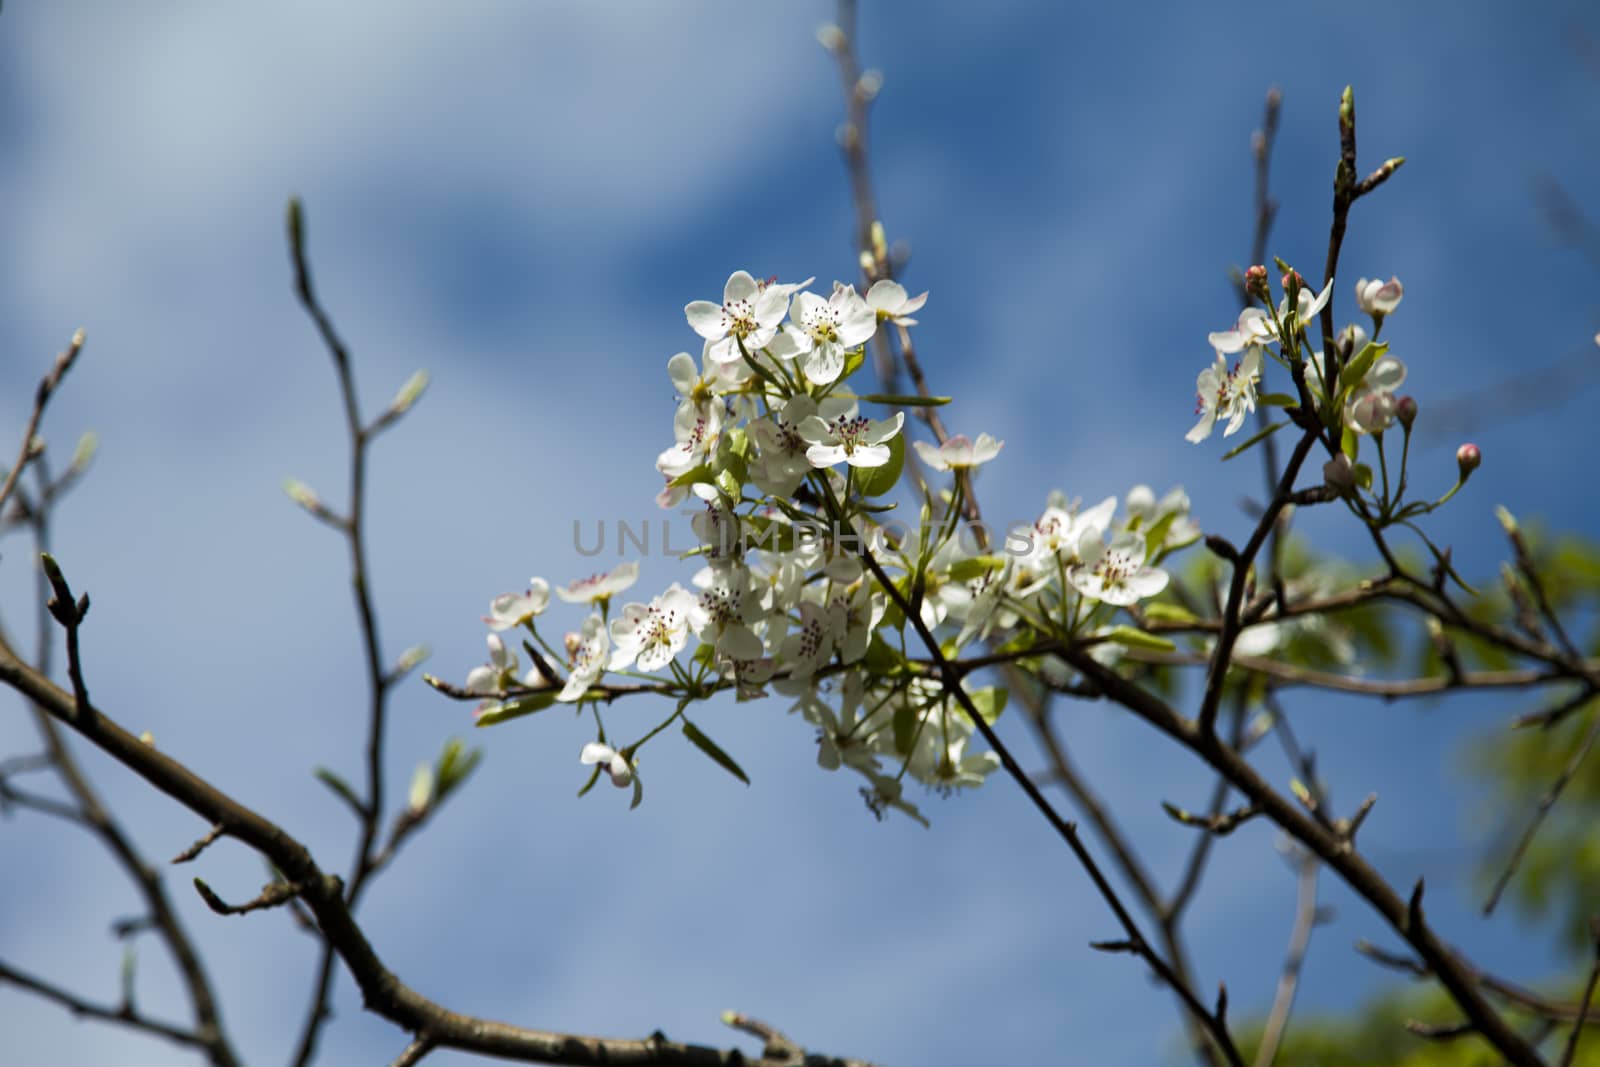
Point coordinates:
[(521, 198)]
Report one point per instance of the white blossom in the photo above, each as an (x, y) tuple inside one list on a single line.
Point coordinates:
[(615, 763), (509, 610), (1226, 394), (1116, 573), (750, 313), (958, 453), (888, 298), (598, 588), (652, 634)]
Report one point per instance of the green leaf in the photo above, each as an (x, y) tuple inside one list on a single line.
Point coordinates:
[(702, 473), (1363, 475), (455, 763), (1278, 400), (905, 400), (516, 709), (1169, 613), (1350, 444), (341, 788), (1131, 637), (594, 776), (905, 728), (1354, 372), (853, 360), (965, 570), (638, 792), (712, 749), (990, 702), (880, 660), (1255, 439), (876, 481)]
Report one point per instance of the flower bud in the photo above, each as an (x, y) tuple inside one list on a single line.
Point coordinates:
[(1295, 279), (1255, 282), (1468, 459), (1352, 339), (1406, 411), (1378, 298), (1340, 474)]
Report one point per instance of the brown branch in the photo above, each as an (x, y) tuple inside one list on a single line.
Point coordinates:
[(323, 894), (193, 851), (379, 682), (272, 895), (91, 813), (1331, 847), (1546, 802)]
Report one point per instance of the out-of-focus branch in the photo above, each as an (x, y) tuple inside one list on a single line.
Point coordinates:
[(324, 896), (1305, 920), (121, 1015), (86, 808), (1329, 844), (1569, 1054), (1546, 801)]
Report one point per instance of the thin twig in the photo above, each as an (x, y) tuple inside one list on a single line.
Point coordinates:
[(1305, 920), (1569, 1054), (1546, 802), (41, 398)]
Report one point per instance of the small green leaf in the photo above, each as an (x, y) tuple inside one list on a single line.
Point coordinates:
[(965, 570), (1278, 400), (905, 728), (853, 360), (880, 659), (1350, 444), (876, 481), (990, 702), (1131, 637), (1169, 613), (1363, 475), (515, 709), (1255, 439), (1356, 370), (702, 473), (905, 400), (594, 776), (712, 749), (340, 787), (638, 792)]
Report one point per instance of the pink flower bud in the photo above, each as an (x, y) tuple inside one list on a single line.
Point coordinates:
[(1406, 411), (1468, 458), (1255, 282), (1293, 278)]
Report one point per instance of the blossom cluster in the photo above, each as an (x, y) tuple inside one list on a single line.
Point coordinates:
[(771, 444)]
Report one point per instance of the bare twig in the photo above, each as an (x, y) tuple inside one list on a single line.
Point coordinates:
[(1135, 942), (1305, 920), (272, 895), (122, 1015), (379, 681), (1569, 1054), (1546, 802), (47, 387)]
